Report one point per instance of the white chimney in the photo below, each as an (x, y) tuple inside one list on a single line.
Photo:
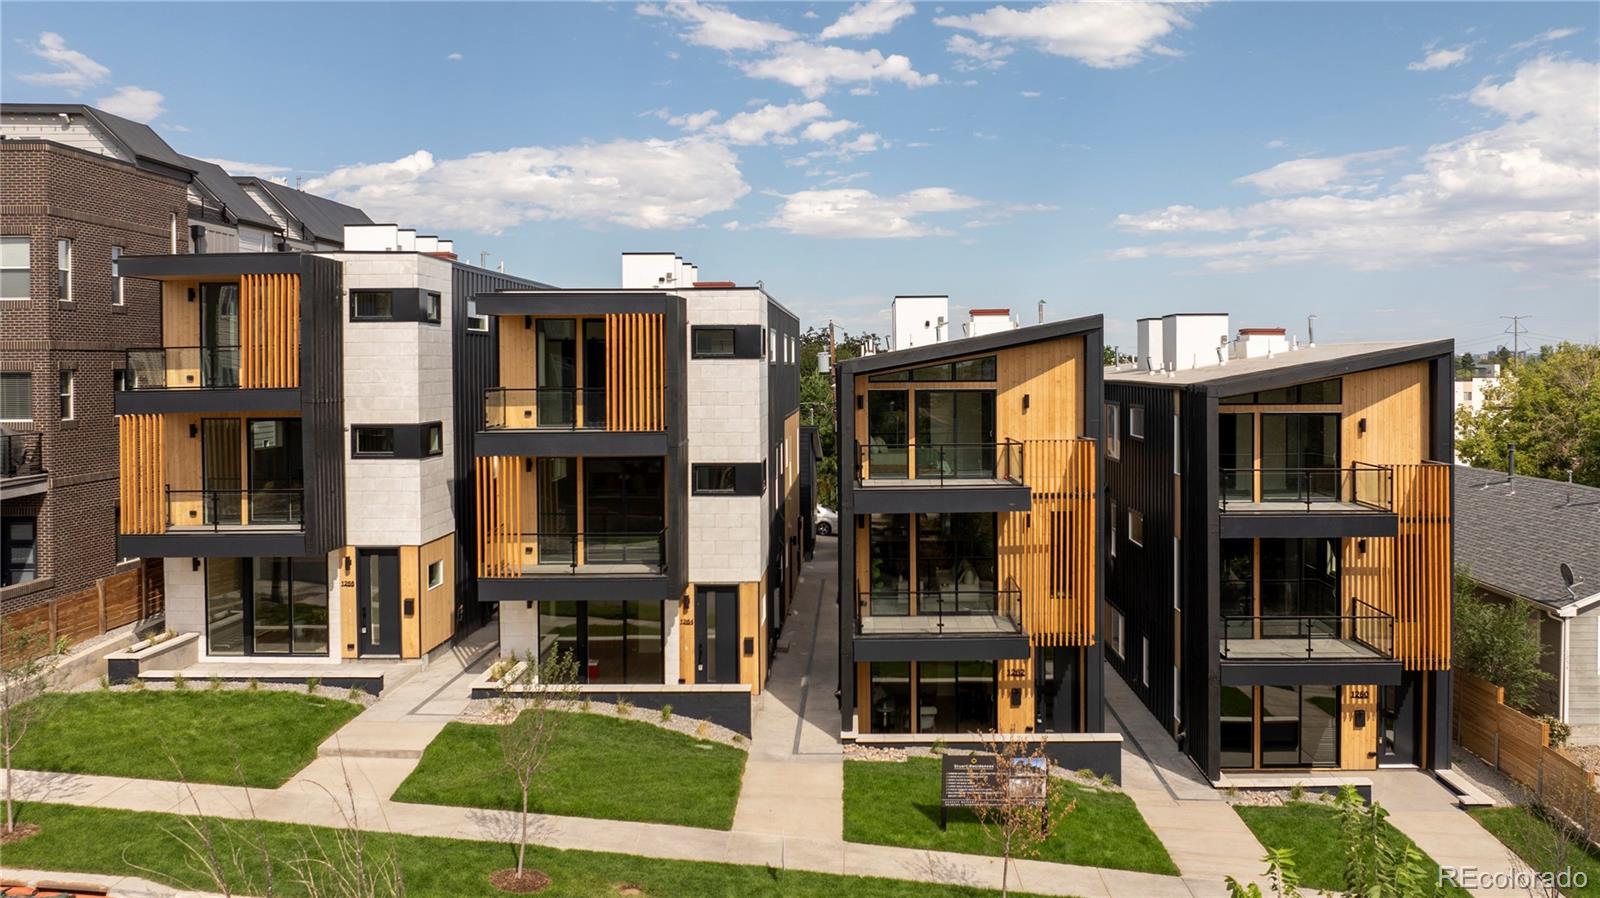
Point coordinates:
[(1260, 342), (990, 321), (918, 321), (1149, 357), (1190, 340)]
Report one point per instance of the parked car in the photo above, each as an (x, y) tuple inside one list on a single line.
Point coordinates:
[(827, 521)]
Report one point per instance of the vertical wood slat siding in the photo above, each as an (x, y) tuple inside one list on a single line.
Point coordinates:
[(1408, 576), (499, 515), (1049, 552), (635, 372), (142, 469), (269, 331)]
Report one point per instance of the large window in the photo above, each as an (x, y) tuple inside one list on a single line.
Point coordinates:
[(267, 606), (956, 566), (556, 371), (713, 343), (889, 563), (613, 642), (1299, 457), (16, 396), (1237, 560), (16, 274), (1236, 456), (1299, 726), (887, 434), (1300, 578), (623, 510), (1238, 727), (19, 554), (955, 433), (931, 697)]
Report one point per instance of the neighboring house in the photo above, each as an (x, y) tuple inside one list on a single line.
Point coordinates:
[(1470, 393), (304, 221), (1513, 534), (290, 448), (82, 188), (638, 475), (969, 572), (1279, 593), (223, 218)]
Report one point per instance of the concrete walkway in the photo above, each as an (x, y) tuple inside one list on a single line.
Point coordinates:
[(794, 777), (1206, 839), (1422, 808)]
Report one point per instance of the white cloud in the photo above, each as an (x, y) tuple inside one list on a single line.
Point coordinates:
[(978, 54), (1332, 173), (693, 121), (717, 27), (133, 102), (1102, 35), (1277, 143), (1554, 34), (247, 169), (814, 68), (74, 71), (634, 183), (869, 18), (769, 123), (1442, 58), (454, 57), (1031, 94), (826, 131), (857, 213), (1525, 194)]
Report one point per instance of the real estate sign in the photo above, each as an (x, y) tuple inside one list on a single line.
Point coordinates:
[(984, 781)]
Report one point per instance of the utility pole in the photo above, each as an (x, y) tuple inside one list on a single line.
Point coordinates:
[(1516, 335)]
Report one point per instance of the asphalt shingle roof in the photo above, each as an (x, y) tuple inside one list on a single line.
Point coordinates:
[(322, 217), (221, 185), (1512, 534)]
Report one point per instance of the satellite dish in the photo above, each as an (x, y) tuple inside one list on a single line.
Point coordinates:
[(1566, 575)]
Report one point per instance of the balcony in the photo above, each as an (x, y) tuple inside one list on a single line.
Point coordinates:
[(573, 421), (605, 553), (577, 567), (216, 522), (183, 368), (207, 379), (22, 465), (955, 624), (236, 509), (1362, 638), (1295, 502), (912, 478)]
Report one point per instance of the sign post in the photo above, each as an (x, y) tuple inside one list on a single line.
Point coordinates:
[(976, 781)]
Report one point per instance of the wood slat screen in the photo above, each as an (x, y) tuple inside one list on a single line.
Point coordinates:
[(269, 331), (1422, 593), (1049, 552), (635, 372), (499, 495), (142, 473)]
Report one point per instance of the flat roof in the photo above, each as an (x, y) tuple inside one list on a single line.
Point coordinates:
[(965, 346), (1306, 363)]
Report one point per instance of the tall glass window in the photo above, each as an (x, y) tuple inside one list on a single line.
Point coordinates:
[(1299, 726), (277, 471), (889, 699), (1300, 580), (1299, 457), (556, 363), (956, 563), (558, 629), (889, 563), (623, 511), (887, 434), (955, 433), (219, 335), (955, 696), (594, 372), (613, 642), (225, 600), (1236, 456), (556, 484), (1238, 726), (1237, 561), (267, 606)]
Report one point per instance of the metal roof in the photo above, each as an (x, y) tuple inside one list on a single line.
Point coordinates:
[(214, 180), (1513, 533), (137, 139), (323, 218)]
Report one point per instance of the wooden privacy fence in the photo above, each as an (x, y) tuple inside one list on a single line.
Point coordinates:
[(114, 601), (1519, 746)]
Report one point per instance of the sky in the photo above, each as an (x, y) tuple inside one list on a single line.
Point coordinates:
[(1401, 171)]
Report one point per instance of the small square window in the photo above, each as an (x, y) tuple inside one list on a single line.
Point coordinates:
[(433, 440), (373, 442), (435, 574), (478, 324), (66, 394), (715, 479), (713, 343), (16, 396), (430, 307), (371, 305), (1136, 422)]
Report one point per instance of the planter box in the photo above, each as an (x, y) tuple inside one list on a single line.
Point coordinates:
[(179, 652)]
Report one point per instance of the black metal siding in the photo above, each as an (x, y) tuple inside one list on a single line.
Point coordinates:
[(783, 400), (1202, 602), (322, 401)]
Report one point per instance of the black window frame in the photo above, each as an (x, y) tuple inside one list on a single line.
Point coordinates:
[(700, 351), (749, 478), (355, 305), (359, 430), (7, 544)]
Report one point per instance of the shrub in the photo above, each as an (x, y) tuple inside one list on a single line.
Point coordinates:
[(105, 683), (311, 685), (1297, 792), (666, 713), (254, 685), (214, 684), (179, 684), (136, 684), (1560, 730), (586, 706), (623, 708), (356, 693)]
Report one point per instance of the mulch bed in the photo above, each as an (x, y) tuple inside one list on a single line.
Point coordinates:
[(22, 831), (507, 880)]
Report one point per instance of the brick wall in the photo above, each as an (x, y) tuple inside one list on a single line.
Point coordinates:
[(48, 192)]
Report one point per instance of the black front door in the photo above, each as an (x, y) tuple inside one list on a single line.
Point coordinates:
[(378, 602), (1397, 717), (716, 647)]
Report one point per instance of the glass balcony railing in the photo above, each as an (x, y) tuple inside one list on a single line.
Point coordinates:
[(21, 455), (183, 368), (1361, 486), (955, 611), (574, 552), (219, 509), (1363, 631), (939, 462)]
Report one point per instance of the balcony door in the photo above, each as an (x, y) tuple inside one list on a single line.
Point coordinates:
[(277, 471), (221, 471), (955, 433), (556, 491), (716, 648), (219, 335), (1299, 457), (378, 602), (887, 434), (556, 371), (594, 372)]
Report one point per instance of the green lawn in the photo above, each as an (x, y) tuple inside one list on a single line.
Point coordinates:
[(889, 803), (267, 735), (1534, 840), (600, 766), (95, 840), (1312, 830)]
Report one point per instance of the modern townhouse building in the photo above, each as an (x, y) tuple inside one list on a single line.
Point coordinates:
[(1279, 592), (637, 476), (288, 446), (303, 222), (81, 188), (969, 571), (223, 218)]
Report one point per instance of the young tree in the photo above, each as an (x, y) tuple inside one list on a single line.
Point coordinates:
[(535, 700), (1282, 880), (817, 402), (1378, 861), (1028, 802), (1549, 407), (1494, 642), (28, 663)]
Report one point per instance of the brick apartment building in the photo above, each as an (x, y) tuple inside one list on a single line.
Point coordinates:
[(68, 212)]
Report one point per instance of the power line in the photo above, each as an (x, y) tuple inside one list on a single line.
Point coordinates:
[(1515, 330)]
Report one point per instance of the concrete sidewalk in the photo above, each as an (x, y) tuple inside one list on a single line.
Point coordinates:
[(1422, 808)]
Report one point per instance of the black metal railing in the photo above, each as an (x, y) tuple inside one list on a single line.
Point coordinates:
[(1367, 485), (1323, 633), (215, 509), (183, 368), (1003, 604), (555, 408), (940, 462), (574, 551), (21, 454)]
